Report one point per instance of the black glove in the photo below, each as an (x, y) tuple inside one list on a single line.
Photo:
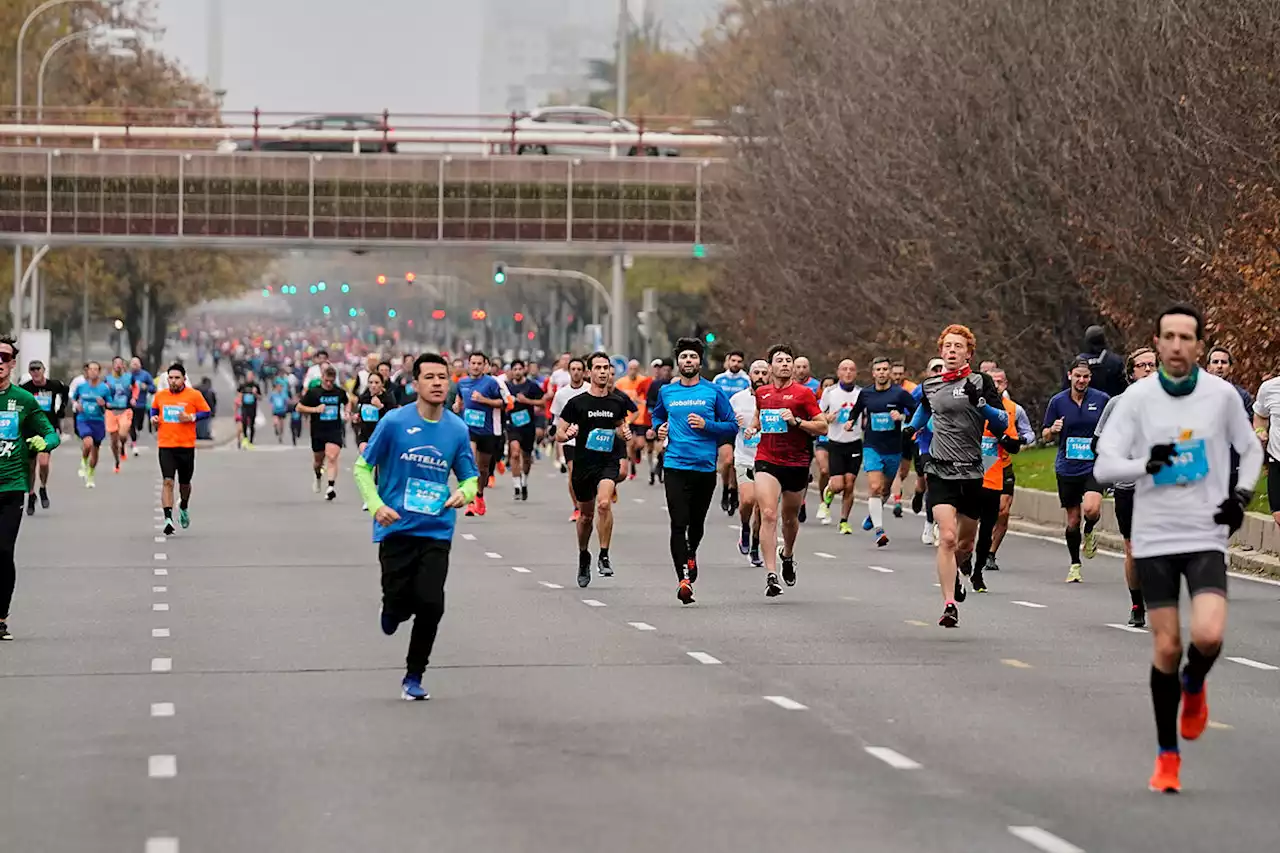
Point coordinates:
[(974, 393), (908, 432), (1010, 444), (1161, 455), (1231, 511)]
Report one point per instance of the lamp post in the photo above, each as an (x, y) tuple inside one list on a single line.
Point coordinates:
[(113, 38)]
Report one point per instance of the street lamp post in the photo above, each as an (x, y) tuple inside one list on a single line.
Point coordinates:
[(114, 38)]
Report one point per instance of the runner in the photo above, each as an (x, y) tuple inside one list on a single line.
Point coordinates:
[(1265, 409), (1071, 421), (325, 403), (922, 440), (843, 443), (804, 375), (1172, 436), (822, 455), (887, 407), (174, 413), (247, 408), (731, 381), (480, 404), (367, 410), (526, 396), (315, 373), (593, 419), (576, 370), (787, 420), (635, 387), (414, 449), (662, 368), (51, 395), (119, 415), (898, 376), (1026, 437), (956, 402), (996, 459), (89, 399), (24, 428), (1140, 364), (744, 460), (280, 408), (146, 387), (694, 417)]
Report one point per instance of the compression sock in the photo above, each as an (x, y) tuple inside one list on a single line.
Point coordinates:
[(1089, 523), (1073, 544), (1135, 598), (876, 507), (168, 513), (1166, 693), (1198, 665)]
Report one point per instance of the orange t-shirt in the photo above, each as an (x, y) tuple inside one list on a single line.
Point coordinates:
[(637, 389), (993, 478), (171, 432), (908, 385)]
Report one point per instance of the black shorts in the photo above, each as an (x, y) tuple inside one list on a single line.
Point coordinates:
[(567, 449), (364, 432), (179, 462), (320, 438), (964, 496), (722, 441), (1124, 511), (489, 445), (1010, 481), (1205, 571), (1273, 484), (921, 459), (586, 479), (844, 457), (909, 449), (792, 478), (523, 436), (1071, 490)]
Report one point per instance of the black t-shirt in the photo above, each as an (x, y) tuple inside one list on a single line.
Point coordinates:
[(597, 418), (52, 392), (250, 393), (529, 389), (651, 398), (333, 400), (365, 428)]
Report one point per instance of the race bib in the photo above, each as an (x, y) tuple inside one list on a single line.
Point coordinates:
[(1190, 465), (989, 446), (881, 422), (751, 441), (9, 426), (771, 421), (297, 416), (842, 416), (1079, 449), (45, 401), (248, 399), (520, 418), (329, 413), (279, 406), (120, 401), (91, 407), (173, 414), (369, 413), (474, 418), (600, 440), (425, 497)]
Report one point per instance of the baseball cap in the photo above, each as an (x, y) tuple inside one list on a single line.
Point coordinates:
[(657, 362), (36, 364), (935, 363)]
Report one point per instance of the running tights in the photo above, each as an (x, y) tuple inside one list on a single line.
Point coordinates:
[(10, 519), (249, 420), (689, 495), (989, 514), (414, 570)]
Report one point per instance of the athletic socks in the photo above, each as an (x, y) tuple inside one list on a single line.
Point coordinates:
[(1073, 544), (876, 505), (1166, 693), (168, 513), (1198, 665)]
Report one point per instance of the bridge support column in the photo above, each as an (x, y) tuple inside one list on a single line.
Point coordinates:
[(618, 309)]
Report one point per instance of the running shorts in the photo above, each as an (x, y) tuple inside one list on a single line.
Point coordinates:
[(1205, 571), (320, 438), (744, 472), (586, 480), (844, 457), (1071, 490), (1124, 511), (792, 478), (567, 449), (97, 430), (723, 441), (964, 496), (1010, 481), (489, 445), (909, 449), (886, 464), (524, 436), (118, 420), (1273, 484), (179, 462)]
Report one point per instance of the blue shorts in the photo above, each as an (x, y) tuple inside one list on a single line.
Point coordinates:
[(97, 430), (880, 463)]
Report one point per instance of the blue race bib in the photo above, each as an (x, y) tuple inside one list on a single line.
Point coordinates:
[(474, 418), (752, 441), (520, 418), (369, 413), (173, 414), (297, 416), (91, 407), (45, 401), (842, 416), (9, 426), (600, 440), (1190, 465), (425, 497), (1079, 449), (989, 446), (881, 422), (771, 421), (248, 399), (329, 413)]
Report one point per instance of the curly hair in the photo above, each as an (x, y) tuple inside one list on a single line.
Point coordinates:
[(962, 331)]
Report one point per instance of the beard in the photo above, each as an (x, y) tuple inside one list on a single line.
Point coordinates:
[(688, 372)]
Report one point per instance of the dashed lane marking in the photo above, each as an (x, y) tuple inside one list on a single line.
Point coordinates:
[(1225, 727), (881, 569), (550, 585), (703, 657), (160, 556), (786, 704), (824, 555), (470, 537), (160, 538), (160, 633), (493, 555), (162, 664), (1129, 628), (158, 589), (1255, 664), (160, 573), (521, 569), (162, 709), (1044, 840), (162, 845), (642, 626), (917, 623), (162, 766), (1015, 663), (591, 602), (893, 758), (1029, 604), (160, 607)]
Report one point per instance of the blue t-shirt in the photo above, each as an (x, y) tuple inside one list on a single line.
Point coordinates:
[(414, 458), (924, 435), (690, 449), (146, 385), (121, 388), (880, 432), (481, 420), (1079, 423), (93, 401), (731, 383), (279, 402), (813, 385)]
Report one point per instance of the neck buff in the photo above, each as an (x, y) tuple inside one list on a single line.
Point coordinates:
[(952, 375), (1179, 387)]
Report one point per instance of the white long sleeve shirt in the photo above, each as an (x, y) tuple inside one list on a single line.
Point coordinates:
[(1172, 517)]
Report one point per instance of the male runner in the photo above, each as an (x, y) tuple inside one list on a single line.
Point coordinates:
[(89, 400), (315, 373), (1027, 436), (803, 375), (51, 395), (174, 412), (956, 401), (414, 449), (480, 406), (662, 369), (731, 381), (744, 460), (844, 436), (594, 420), (1172, 436), (526, 396), (998, 471), (1265, 409), (898, 376), (325, 403), (280, 408), (694, 417), (636, 387), (1071, 421), (247, 396), (787, 419), (146, 387), (884, 408), (23, 428), (119, 414), (577, 368)]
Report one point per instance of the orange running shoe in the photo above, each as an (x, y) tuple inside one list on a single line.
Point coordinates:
[(492, 482), (117, 469), (1164, 780), (471, 507), (685, 593), (575, 515), (480, 507), (502, 468), (1195, 714)]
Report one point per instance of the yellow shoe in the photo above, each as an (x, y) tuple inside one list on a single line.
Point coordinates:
[(1073, 576)]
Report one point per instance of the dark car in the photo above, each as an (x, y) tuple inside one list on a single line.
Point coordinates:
[(326, 122)]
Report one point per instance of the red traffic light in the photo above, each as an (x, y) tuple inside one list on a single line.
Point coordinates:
[(531, 334), (438, 314), (479, 314), (382, 279), (409, 277), (518, 317)]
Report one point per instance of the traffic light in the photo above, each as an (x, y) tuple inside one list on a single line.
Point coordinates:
[(313, 288), (266, 291), (326, 309), (391, 312), (499, 272), (321, 286), (438, 314), (531, 334), (346, 288), (351, 312), (382, 279), (518, 317), (709, 337), (409, 277), (479, 314), (699, 250)]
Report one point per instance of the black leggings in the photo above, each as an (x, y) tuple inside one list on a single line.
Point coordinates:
[(10, 519), (689, 495), (249, 421), (414, 570), (988, 515)]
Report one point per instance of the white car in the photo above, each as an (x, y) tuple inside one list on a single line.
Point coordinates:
[(588, 119)]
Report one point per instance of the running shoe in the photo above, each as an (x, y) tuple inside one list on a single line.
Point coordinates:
[(83, 469), (724, 500), (866, 523), (804, 514), (662, 477), (845, 528), (691, 568), (771, 587), (882, 539), (184, 518), (364, 507), (169, 529), (788, 568), (926, 535), (330, 493), (574, 516), (756, 559), (502, 468), (1091, 544), (966, 568), (1195, 713), (652, 476), (564, 469), (471, 510), (481, 509), (978, 582), (603, 566), (744, 541), (411, 689), (992, 565), (117, 468), (824, 512), (1073, 575), (88, 481), (491, 483), (1137, 617), (4, 632), (31, 503), (44, 498), (584, 568), (315, 486), (917, 502), (685, 592), (524, 493), (733, 501), (516, 495), (960, 594), (897, 509), (135, 451), (950, 616), (1164, 779)]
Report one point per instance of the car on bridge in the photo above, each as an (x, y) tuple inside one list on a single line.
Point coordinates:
[(571, 119), (322, 122)]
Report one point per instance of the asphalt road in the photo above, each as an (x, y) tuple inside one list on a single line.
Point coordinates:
[(229, 690)]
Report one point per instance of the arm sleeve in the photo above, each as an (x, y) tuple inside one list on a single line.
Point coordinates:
[(363, 473), (920, 416), (997, 418), (1114, 464)]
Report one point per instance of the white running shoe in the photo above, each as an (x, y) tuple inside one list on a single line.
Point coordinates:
[(937, 535), (926, 535), (315, 485)]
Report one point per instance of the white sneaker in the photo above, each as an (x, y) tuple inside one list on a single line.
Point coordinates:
[(926, 535), (364, 507), (315, 486), (937, 535), (135, 451), (824, 512), (90, 484)]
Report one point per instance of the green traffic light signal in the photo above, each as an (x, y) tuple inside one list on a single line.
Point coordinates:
[(709, 337), (351, 312), (265, 293), (326, 309), (391, 312), (699, 250), (499, 272), (346, 288)]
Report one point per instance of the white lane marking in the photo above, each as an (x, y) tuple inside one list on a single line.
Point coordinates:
[(1029, 604), (470, 537), (1044, 840), (493, 555), (160, 556), (161, 573), (591, 602), (638, 500), (162, 766), (162, 664), (162, 709), (881, 569), (1254, 664), (1245, 576), (702, 657), (162, 845), (785, 703), (642, 626), (159, 527), (550, 585), (1129, 628), (824, 555), (521, 569), (893, 758), (159, 589), (160, 538), (160, 607), (159, 633)]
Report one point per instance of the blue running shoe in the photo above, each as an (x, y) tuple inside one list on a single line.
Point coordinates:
[(866, 523), (411, 689), (744, 541)]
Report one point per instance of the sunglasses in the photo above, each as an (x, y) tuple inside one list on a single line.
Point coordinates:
[(6, 357)]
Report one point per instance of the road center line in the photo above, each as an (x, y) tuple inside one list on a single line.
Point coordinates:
[(642, 626), (160, 556), (591, 602), (893, 758), (1255, 664), (470, 537), (162, 709), (159, 589), (493, 555), (162, 845), (786, 704), (160, 539), (159, 633), (1029, 604), (162, 664), (521, 569), (1015, 663), (1043, 839), (162, 766), (550, 585), (1129, 628), (160, 573), (880, 569), (638, 500), (160, 607), (703, 657), (824, 555)]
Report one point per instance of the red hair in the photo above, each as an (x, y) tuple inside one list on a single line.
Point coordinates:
[(962, 331)]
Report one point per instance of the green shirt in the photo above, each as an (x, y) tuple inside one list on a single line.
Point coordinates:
[(20, 418)]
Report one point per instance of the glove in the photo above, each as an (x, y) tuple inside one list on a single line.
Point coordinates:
[(908, 432), (974, 393), (1231, 511), (37, 443), (1011, 445), (1161, 455)]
